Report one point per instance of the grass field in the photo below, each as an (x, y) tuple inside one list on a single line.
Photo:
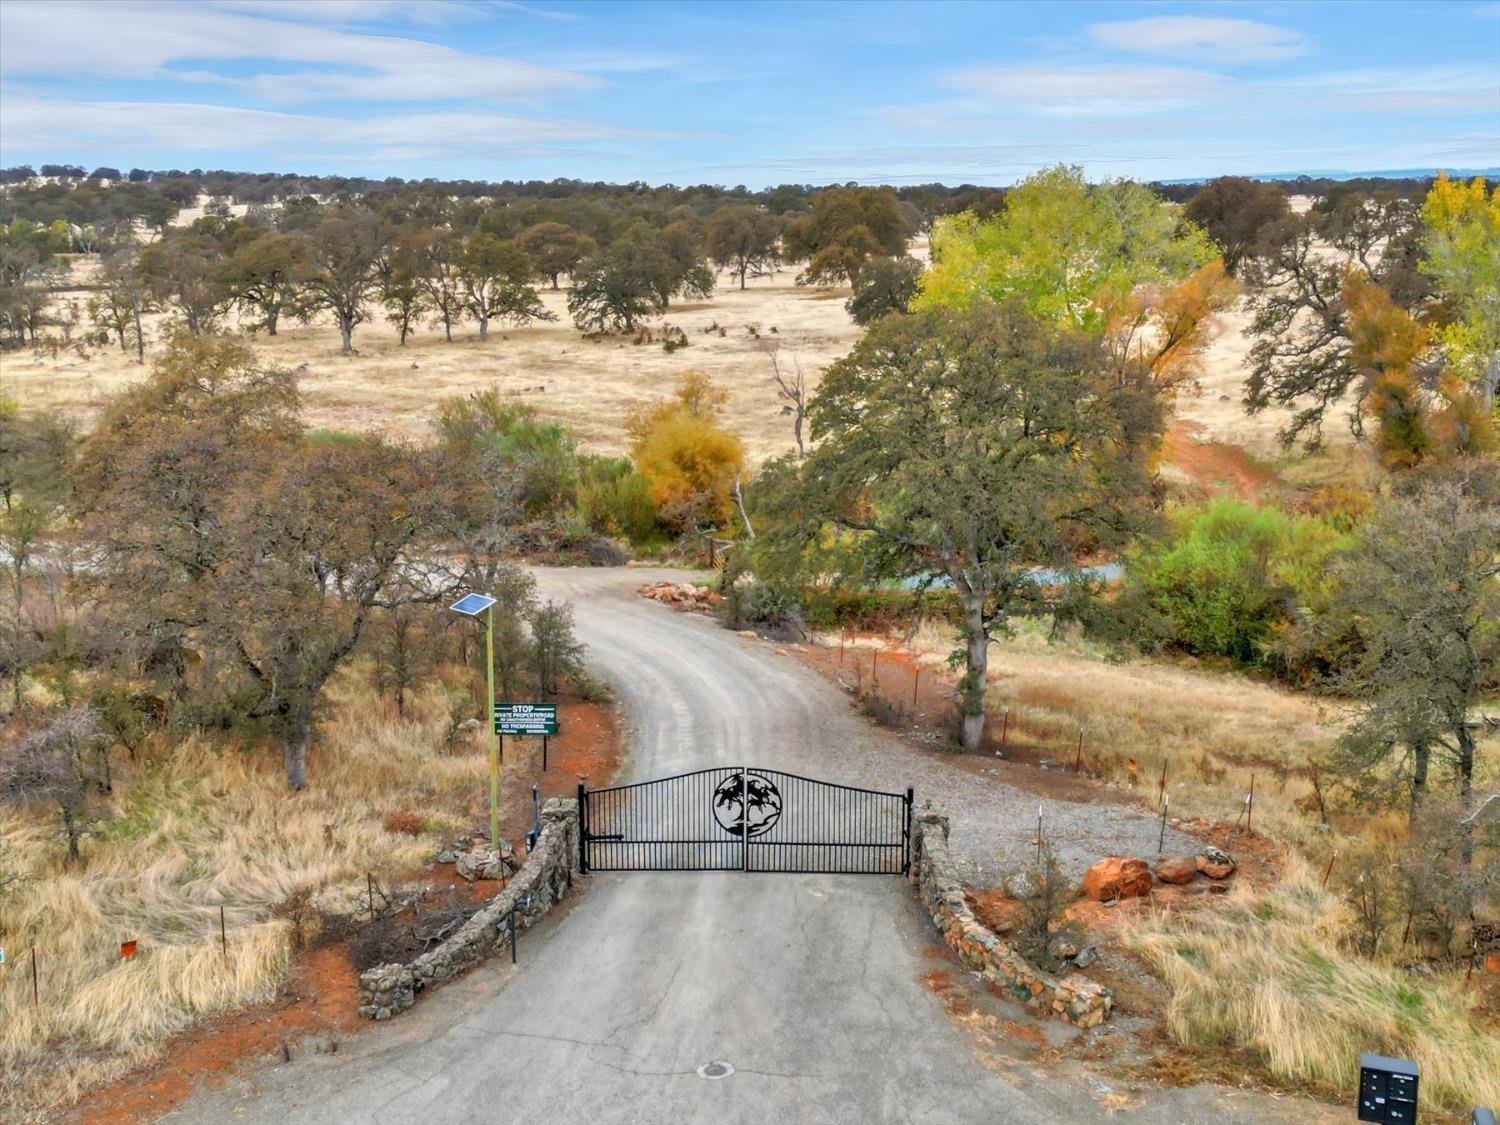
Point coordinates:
[(591, 385), (202, 827)]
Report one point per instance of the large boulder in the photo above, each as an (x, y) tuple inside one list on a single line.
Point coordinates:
[(1117, 877), (1214, 862), (1177, 870), (487, 863)]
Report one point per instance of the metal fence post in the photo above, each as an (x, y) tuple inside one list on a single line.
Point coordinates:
[(906, 834), (583, 830), (512, 931)]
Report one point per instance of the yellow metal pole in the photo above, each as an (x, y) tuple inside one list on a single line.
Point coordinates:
[(489, 676)]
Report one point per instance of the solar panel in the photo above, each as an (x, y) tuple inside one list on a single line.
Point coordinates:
[(472, 605)]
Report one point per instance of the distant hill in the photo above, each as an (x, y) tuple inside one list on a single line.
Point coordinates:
[(1492, 172)]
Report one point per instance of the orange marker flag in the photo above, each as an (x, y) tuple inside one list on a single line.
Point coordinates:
[(127, 949)]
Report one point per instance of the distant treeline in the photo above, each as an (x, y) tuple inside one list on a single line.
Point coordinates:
[(154, 196), (105, 195)]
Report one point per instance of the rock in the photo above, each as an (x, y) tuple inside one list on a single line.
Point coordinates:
[(1086, 956), (487, 863), (1177, 870), (1214, 862), (447, 855), (1116, 877), (1062, 948), (1020, 885)]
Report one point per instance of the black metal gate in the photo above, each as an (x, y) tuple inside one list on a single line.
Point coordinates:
[(734, 818)]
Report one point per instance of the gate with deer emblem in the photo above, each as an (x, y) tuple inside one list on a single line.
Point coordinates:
[(739, 818)]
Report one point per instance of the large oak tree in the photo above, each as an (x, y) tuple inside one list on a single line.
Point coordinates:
[(971, 446)]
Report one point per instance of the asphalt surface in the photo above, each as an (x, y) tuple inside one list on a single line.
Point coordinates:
[(806, 985)]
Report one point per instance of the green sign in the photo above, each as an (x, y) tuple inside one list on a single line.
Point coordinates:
[(525, 718)]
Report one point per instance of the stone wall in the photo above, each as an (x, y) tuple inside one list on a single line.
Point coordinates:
[(1073, 998), (543, 880)]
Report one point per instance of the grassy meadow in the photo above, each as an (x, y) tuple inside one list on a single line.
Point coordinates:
[(203, 826)]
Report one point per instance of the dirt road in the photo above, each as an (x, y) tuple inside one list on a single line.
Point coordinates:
[(807, 985)]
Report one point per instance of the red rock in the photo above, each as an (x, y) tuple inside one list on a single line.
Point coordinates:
[(1117, 877), (1214, 863), (1176, 870)]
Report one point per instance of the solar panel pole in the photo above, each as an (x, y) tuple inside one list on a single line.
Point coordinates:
[(489, 677)]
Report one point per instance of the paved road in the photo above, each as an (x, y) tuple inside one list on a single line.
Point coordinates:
[(807, 985)]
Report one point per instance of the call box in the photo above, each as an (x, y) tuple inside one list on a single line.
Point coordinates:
[(1387, 1090)]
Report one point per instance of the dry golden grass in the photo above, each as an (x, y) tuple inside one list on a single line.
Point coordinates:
[(590, 385), (1267, 972), (1212, 729), (206, 826)]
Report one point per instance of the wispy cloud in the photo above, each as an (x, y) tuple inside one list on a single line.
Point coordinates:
[(1087, 91), (132, 126), (1409, 89), (1202, 39), (171, 41)]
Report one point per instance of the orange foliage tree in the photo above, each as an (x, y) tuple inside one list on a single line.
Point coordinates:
[(1421, 408)]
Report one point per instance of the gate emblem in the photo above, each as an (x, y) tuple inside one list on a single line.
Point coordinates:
[(748, 805)]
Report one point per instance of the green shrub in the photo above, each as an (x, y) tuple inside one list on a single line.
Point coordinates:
[(1230, 578), (614, 499)]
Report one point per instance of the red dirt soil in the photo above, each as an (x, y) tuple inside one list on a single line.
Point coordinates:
[(1215, 465), (319, 995)]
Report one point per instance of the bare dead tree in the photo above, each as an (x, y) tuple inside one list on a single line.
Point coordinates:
[(1477, 813), (739, 501), (792, 387)]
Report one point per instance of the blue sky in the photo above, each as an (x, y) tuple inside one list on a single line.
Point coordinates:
[(752, 93)]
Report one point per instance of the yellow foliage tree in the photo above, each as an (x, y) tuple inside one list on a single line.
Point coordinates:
[(690, 462), (1462, 244)]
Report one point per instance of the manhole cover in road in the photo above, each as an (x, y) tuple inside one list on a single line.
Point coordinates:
[(715, 1069)]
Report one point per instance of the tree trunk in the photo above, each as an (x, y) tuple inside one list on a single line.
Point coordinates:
[(484, 328), (554, 281), (744, 269), (346, 333), (1465, 740), (1421, 755), (294, 755), (140, 338), (273, 314), (70, 826), (972, 686), (448, 327)]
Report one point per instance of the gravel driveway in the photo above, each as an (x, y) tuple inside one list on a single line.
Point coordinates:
[(628, 1000)]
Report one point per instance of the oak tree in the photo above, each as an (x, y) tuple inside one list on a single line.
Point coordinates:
[(742, 240), (343, 249), (971, 445), (555, 248)]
